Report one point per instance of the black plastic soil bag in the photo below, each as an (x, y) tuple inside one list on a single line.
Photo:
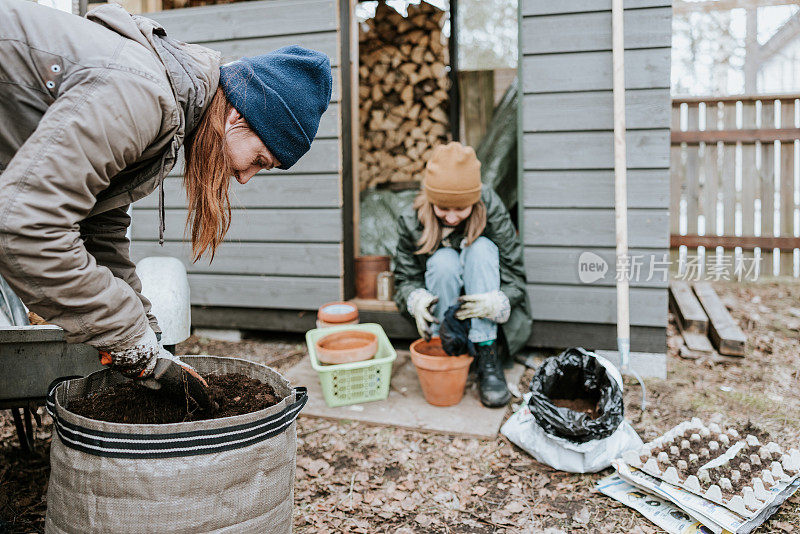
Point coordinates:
[(575, 374), (455, 334)]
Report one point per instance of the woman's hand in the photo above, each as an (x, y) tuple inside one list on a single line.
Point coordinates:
[(493, 305), (420, 305)]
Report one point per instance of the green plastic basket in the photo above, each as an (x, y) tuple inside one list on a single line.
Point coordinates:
[(353, 383)]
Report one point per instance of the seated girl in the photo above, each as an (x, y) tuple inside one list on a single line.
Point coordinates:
[(459, 246)]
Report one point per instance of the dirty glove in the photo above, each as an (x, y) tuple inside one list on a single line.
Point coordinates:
[(493, 305), (137, 360), (156, 368), (420, 305)]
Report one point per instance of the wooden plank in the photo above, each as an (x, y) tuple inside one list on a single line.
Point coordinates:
[(692, 192), (476, 95), (733, 241), (732, 99), (590, 304), (548, 7), (647, 228), (289, 259), (710, 174), (262, 191), (277, 320), (558, 334), (324, 156), (644, 109), (767, 186), (729, 180), (687, 309), (749, 179), (644, 69), (786, 206), (374, 305), (561, 265), (647, 149), (724, 333), (644, 28), (595, 189), (675, 185), (699, 344), (286, 292), (745, 136), (234, 49), (249, 19), (254, 225)]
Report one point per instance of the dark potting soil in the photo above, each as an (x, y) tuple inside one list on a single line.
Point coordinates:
[(587, 406), (234, 394)]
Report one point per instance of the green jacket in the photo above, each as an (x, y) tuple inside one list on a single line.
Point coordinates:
[(409, 268)]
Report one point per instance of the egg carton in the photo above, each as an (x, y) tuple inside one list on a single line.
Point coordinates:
[(718, 465)]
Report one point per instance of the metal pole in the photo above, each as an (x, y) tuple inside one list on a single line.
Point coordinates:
[(455, 105), (83, 7)]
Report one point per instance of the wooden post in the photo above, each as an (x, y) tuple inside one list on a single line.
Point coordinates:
[(692, 179), (767, 179), (711, 179), (729, 184), (749, 180), (787, 188), (676, 184), (477, 103)]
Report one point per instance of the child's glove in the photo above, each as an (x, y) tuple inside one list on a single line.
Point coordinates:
[(420, 305), (493, 305)]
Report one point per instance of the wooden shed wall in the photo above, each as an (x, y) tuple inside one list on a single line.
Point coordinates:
[(567, 161), (285, 246)]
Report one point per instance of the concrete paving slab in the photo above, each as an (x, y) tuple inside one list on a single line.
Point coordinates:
[(647, 364), (406, 407)]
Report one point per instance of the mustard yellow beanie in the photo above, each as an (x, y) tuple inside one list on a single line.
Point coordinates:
[(453, 176)]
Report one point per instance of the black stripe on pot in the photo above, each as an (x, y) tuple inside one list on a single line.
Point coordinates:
[(148, 443), (126, 445)]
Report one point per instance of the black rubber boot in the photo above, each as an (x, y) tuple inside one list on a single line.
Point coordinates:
[(491, 380)]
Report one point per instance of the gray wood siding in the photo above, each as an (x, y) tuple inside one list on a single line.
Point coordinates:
[(284, 247), (567, 157)]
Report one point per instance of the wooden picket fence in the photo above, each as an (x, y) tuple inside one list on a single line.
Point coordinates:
[(734, 194)]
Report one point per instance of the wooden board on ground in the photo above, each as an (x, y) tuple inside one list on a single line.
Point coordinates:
[(725, 334), (687, 309), (375, 305), (406, 407)]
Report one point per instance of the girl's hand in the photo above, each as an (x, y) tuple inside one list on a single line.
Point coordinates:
[(420, 305), (493, 305)]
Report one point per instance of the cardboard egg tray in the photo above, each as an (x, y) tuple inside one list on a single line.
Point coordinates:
[(718, 464)]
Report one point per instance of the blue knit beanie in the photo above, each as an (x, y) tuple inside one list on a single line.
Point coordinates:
[(282, 95)]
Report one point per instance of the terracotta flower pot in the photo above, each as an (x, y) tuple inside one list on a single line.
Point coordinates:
[(442, 377), (367, 269), (347, 346)]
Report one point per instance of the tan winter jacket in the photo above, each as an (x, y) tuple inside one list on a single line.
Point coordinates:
[(92, 114)]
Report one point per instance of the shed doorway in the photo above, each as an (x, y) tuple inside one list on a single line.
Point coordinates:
[(420, 80)]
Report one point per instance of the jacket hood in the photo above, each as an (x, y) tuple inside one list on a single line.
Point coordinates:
[(193, 70), (193, 73)]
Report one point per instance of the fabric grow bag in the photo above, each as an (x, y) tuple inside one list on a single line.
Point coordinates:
[(234, 474), (572, 374)]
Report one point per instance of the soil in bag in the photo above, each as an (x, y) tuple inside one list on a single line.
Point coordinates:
[(234, 394), (583, 405)]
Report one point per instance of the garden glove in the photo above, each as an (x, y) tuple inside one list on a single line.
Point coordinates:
[(493, 305), (420, 305), (156, 368)]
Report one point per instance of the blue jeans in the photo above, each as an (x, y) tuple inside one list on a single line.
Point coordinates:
[(476, 269)]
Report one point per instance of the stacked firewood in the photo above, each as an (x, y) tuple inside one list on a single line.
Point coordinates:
[(403, 99)]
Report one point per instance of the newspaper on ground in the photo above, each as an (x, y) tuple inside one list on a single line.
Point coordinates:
[(662, 512), (713, 517)]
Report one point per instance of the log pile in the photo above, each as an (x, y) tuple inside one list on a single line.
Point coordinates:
[(403, 99)]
